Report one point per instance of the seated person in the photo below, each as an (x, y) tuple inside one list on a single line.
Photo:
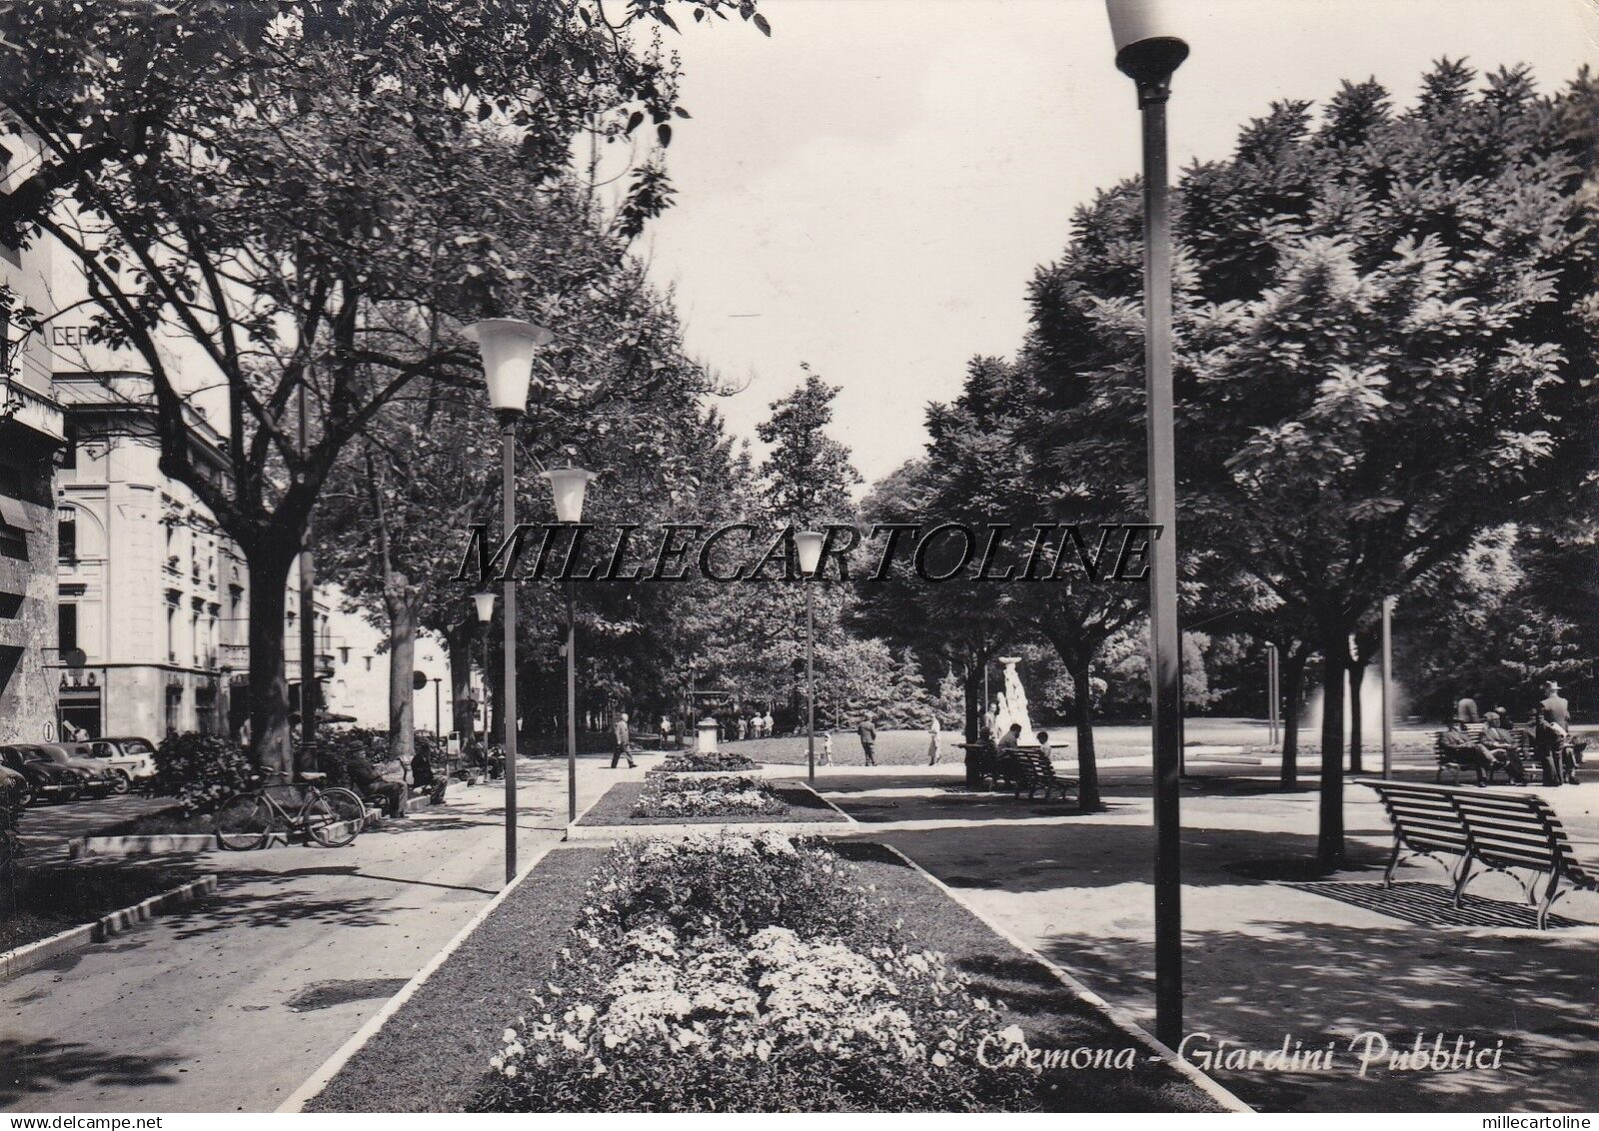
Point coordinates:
[(1501, 744), (1012, 738), (1043, 744), (373, 785), (1458, 747), (423, 778)]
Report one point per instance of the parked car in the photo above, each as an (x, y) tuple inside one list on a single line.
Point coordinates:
[(15, 789), (131, 759), (97, 776), (49, 779)]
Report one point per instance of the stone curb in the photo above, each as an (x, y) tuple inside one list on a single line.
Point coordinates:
[(331, 1067), (158, 844), (14, 962), (1115, 1015)]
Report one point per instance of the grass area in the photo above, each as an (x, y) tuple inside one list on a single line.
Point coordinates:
[(616, 808), (54, 897), (433, 1053)]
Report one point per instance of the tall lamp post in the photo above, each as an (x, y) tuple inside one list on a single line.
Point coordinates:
[(484, 603), (437, 720), (507, 346), (1149, 52), (808, 545), (1388, 688), (1273, 695), (569, 485)]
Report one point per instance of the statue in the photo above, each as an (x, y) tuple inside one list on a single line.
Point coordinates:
[(1010, 706)]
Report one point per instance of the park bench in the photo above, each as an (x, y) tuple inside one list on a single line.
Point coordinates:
[(1034, 771), (1498, 831)]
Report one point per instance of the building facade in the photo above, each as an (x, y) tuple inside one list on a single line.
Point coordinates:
[(152, 626), (31, 438), (357, 683)]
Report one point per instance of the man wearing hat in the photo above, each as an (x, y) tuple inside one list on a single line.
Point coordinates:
[(1557, 753), (1500, 742)]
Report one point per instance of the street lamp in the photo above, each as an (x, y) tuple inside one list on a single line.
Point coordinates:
[(808, 544), (1149, 51), (1388, 688), (437, 732), (484, 603), (1272, 694), (569, 485), (507, 346)]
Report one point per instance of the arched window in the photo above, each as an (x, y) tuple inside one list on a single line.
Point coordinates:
[(67, 533)]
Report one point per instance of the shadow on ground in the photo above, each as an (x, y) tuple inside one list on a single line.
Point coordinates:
[(42, 1066)]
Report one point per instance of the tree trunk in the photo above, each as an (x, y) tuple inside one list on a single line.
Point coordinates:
[(1088, 799), (1335, 663), (1357, 675), (1293, 690), (269, 686), (972, 686), (398, 603), (459, 640)]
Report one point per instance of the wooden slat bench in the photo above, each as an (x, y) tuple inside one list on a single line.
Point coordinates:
[(1499, 831), (1036, 772)]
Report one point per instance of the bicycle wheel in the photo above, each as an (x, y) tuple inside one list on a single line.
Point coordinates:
[(334, 817), (243, 823)]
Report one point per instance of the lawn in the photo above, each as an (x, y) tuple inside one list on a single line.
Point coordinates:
[(433, 1053), (616, 808), (56, 896)]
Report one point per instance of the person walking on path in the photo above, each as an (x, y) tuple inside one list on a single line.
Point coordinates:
[(933, 735), (827, 748), (622, 740), (868, 736)]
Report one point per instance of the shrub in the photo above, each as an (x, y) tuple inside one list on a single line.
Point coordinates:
[(746, 973), (690, 762), (333, 751), (704, 795), (11, 809), (201, 770)]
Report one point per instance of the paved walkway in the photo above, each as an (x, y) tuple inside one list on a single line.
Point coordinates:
[(231, 1004), (1272, 952)]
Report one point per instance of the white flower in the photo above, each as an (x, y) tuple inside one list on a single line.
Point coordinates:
[(1012, 1035), (508, 1036)]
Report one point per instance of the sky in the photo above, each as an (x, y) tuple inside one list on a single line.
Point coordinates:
[(871, 189)]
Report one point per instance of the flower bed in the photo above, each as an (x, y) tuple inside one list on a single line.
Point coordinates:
[(703, 795), (690, 762), (747, 973)]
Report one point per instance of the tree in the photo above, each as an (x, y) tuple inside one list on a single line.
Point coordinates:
[(1384, 342), (807, 476), (310, 197), (1398, 362)]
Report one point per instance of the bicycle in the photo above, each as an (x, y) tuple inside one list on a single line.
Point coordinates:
[(332, 816)]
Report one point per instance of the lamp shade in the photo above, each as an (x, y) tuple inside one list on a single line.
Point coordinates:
[(569, 484), (1146, 33), (485, 607), (809, 545), (507, 346)]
